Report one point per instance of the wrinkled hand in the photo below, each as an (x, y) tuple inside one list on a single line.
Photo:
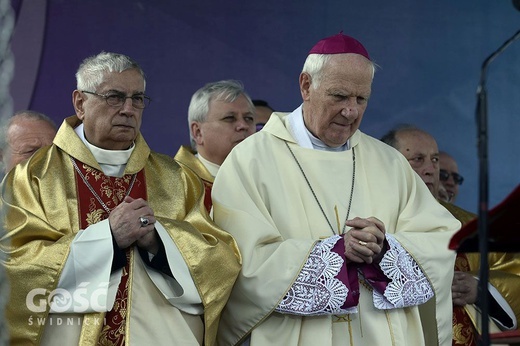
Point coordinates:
[(126, 226), (364, 241), (464, 289)]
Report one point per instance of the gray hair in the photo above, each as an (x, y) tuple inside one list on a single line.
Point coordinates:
[(91, 72), (313, 66), (224, 90)]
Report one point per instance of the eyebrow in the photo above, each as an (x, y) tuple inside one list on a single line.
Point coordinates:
[(237, 113), (122, 92)]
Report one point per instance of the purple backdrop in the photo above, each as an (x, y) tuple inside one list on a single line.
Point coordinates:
[(429, 55)]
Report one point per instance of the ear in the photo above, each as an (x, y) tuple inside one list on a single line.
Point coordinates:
[(196, 132), (78, 103), (305, 85)]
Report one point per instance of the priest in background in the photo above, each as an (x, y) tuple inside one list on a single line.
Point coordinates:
[(220, 116), (422, 152), (24, 133)]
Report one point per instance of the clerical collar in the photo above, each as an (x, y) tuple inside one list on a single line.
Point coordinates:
[(210, 166), (305, 138), (112, 162)]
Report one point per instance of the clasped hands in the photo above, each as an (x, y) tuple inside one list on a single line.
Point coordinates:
[(127, 227), (364, 241)]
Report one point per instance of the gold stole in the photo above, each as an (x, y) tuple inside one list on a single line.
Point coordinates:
[(111, 191)]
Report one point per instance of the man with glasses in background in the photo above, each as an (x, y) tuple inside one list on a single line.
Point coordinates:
[(421, 151), (109, 242), (449, 175)]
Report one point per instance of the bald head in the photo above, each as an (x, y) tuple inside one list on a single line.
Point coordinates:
[(421, 151), (26, 132)]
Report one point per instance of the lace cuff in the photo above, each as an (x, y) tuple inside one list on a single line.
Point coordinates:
[(317, 291), (408, 286)]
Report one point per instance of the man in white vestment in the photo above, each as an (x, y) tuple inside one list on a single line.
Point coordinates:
[(342, 243), (108, 242)]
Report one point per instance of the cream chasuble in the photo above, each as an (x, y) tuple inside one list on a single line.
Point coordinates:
[(261, 197), (41, 199)]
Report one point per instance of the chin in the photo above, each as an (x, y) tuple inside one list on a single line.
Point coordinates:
[(338, 142), (125, 142)]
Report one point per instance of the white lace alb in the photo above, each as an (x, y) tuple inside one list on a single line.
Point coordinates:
[(408, 286), (317, 291)]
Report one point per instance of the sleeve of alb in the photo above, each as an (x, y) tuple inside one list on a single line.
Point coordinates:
[(158, 262)]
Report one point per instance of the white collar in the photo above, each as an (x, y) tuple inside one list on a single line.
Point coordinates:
[(210, 166), (304, 137), (112, 162)]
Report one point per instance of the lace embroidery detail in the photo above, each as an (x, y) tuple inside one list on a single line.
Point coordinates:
[(409, 286), (316, 290)]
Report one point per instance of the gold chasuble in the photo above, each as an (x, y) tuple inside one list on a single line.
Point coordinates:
[(186, 158), (47, 202), (504, 275)]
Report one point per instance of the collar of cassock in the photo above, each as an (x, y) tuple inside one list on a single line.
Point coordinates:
[(305, 138), (112, 162), (210, 166)]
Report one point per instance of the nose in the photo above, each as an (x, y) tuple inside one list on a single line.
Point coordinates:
[(243, 125), (450, 182), (127, 108), (430, 168), (350, 109)]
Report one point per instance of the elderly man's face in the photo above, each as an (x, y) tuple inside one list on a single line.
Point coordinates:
[(420, 149), (226, 125), (24, 137), (110, 127), (333, 111)]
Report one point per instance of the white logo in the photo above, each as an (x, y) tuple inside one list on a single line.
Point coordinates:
[(82, 299)]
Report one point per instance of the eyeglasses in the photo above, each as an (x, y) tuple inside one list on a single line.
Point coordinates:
[(139, 101), (445, 175)]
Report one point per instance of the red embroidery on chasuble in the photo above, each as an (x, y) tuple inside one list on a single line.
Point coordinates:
[(111, 191), (208, 203), (464, 333)]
